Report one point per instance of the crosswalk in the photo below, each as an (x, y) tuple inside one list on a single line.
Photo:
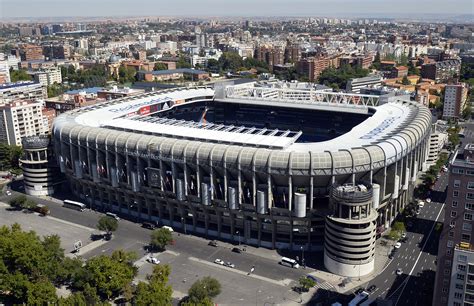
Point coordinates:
[(325, 285)]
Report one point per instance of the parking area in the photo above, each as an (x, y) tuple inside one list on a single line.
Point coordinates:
[(239, 287), (44, 226)]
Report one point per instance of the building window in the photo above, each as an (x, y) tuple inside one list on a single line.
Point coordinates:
[(462, 258), (457, 295), (470, 185), (448, 252), (455, 193), (458, 171), (453, 214), (460, 276), (447, 271), (457, 183), (462, 268), (455, 203), (459, 286), (469, 206), (470, 196), (470, 172), (456, 304), (466, 237), (451, 234), (445, 290), (450, 244), (452, 223), (471, 269), (468, 217), (447, 262)]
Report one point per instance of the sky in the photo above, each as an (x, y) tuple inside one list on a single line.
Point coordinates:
[(244, 8)]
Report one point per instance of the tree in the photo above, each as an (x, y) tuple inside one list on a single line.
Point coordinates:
[(107, 224), (19, 75), (109, 275), (306, 283), (41, 293), (9, 157), (156, 291), (213, 65), (230, 61), (204, 290), (183, 63), (18, 201), (405, 80), (467, 111), (126, 74), (160, 66), (160, 238), (412, 69)]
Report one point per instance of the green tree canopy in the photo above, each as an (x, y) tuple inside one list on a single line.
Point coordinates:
[(405, 80), (160, 66), (339, 77), (183, 62), (156, 291), (126, 74), (19, 75), (203, 291), (306, 283), (107, 224), (109, 275), (160, 238), (230, 61)]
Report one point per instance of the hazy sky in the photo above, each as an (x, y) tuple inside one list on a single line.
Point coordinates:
[(53, 8)]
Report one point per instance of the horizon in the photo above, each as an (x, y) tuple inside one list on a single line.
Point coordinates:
[(17, 9)]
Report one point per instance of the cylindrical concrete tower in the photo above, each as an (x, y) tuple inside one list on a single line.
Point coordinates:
[(349, 247), (40, 171)]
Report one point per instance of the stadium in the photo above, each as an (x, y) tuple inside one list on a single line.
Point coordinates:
[(272, 167)]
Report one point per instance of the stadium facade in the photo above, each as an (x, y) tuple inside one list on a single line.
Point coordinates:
[(271, 167)]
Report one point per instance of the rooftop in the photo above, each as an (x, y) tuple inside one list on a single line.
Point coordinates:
[(171, 71)]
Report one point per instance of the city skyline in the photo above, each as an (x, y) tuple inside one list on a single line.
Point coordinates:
[(266, 8)]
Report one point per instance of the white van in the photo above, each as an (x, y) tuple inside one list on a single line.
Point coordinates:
[(421, 204), (112, 215), (285, 261)]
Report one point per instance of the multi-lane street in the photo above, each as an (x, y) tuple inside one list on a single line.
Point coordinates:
[(416, 257)]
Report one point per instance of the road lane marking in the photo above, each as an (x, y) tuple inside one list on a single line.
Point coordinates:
[(283, 283), (419, 255)]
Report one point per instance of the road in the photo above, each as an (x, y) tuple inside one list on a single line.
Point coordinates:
[(416, 257)]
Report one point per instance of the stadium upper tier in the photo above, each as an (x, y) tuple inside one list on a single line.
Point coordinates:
[(315, 137)]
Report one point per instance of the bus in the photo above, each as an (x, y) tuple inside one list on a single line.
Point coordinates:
[(74, 205), (359, 299), (285, 261)]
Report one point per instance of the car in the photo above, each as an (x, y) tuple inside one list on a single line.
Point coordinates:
[(219, 261), (358, 291), (148, 225), (153, 260), (390, 256), (212, 243), (8, 193), (371, 289), (168, 228), (421, 204), (397, 245), (229, 264), (399, 271), (404, 235), (112, 215), (428, 200), (237, 250)]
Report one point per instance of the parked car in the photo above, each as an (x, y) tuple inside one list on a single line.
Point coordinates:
[(358, 291), (219, 261), (229, 264), (168, 228), (397, 245), (236, 250), (8, 192), (421, 204), (112, 215), (404, 235), (371, 289), (148, 225), (153, 260), (399, 271), (428, 200), (212, 243)]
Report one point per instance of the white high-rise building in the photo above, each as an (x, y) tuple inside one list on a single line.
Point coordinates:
[(4, 72), (20, 119)]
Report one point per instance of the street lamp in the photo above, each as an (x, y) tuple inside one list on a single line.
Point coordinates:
[(184, 225), (302, 256), (238, 233)]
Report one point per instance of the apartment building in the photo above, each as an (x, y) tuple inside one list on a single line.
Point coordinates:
[(455, 97), (453, 275), (441, 71), (355, 85), (312, 67), (20, 119), (21, 90), (48, 77), (4, 72), (438, 139), (27, 52)]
